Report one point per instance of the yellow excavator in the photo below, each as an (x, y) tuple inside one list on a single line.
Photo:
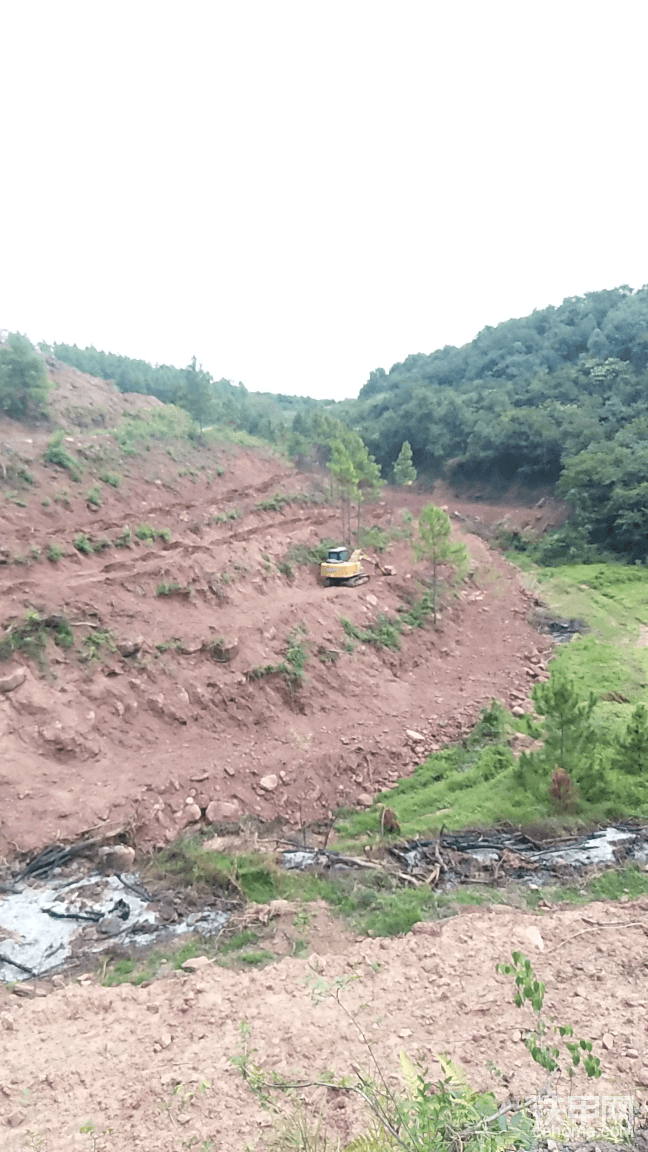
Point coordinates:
[(340, 568)]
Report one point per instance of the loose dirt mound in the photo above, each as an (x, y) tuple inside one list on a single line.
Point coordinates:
[(154, 1064), (81, 401)]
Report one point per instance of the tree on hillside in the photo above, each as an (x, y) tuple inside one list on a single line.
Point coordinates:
[(197, 396), (345, 481), (434, 544), (404, 471), (567, 724), (23, 380)]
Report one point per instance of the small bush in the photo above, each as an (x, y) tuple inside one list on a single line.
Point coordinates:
[(286, 569), (83, 544), (55, 553), (124, 538), (145, 532), (63, 498), (168, 589), (110, 478), (25, 475), (102, 543), (46, 501), (563, 791), (56, 454), (383, 634), (94, 496)]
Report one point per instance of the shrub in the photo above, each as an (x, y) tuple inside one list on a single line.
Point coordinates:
[(110, 478), (94, 496), (23, 380), (54, 553), (124, 538), (563, 791), (55, 453), (168, 589), (83, 544)]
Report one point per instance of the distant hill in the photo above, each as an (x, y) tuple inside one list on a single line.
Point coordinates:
[(446, 403)]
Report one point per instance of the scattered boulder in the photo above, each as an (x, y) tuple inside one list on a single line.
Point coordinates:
[(12, 680), (130, 646), (196, 962), (518, 710), (222, 810), (364, 800), (414, 736), (117, 857), (268, 783), (190, 815), (371, 599), (426, 928)]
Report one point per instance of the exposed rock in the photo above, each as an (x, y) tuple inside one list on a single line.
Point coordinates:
[(12, 680), (196, 962), (371, 599), (608, 1041), (24, 989), (268, 783), (518, 711), (130, 646), (190, 815), (190, 647), (415, 736), (364, 800), (15, 1119), (426, 928), (219, 810), (117, 857)]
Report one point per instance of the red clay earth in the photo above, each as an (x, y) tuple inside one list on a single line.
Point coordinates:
[(130, 739), (153, 738), (153, 1064)]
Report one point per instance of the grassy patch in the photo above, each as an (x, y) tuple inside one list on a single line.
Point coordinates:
[(155, 424), (383, 634), (111, 478), (83, 544), (30, 637), (57, 454), (94, 496)]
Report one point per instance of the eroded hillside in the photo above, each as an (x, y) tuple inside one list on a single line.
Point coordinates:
[(134, 568)]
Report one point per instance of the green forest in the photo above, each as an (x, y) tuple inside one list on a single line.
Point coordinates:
[(558, 398)]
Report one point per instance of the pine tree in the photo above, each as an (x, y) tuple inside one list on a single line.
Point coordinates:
[(404, 472), (631, 755), (198, 396), (568, 728), (434, 544)]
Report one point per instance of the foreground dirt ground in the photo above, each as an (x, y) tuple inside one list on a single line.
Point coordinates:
[(144, 729), (154, 1064)]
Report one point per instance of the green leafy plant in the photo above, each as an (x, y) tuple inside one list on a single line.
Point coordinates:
[(546, 1038), (123, 540), (57, 454), (111, 478), (383, 634), (94, 496), (83, 544), (55, 553), (168, 588), (98, 640)]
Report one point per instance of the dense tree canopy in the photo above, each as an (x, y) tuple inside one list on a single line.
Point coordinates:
[(23, 379)]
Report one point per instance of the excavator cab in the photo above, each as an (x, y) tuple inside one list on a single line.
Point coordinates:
[(340, 568)]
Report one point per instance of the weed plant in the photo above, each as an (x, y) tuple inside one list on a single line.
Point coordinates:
[(94, 496), (83, 544), (57, 454)]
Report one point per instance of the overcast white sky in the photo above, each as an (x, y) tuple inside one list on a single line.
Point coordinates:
[(298, 192)]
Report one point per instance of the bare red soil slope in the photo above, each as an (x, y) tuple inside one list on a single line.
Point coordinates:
[(138, 723)]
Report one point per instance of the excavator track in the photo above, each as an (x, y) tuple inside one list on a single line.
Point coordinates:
[(363, 578)]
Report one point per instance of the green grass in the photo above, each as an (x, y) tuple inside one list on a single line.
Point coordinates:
[(613, 600), (111, 478), (385, 633), (55, 453), (94, 496), (155, 424), (83, 544)]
